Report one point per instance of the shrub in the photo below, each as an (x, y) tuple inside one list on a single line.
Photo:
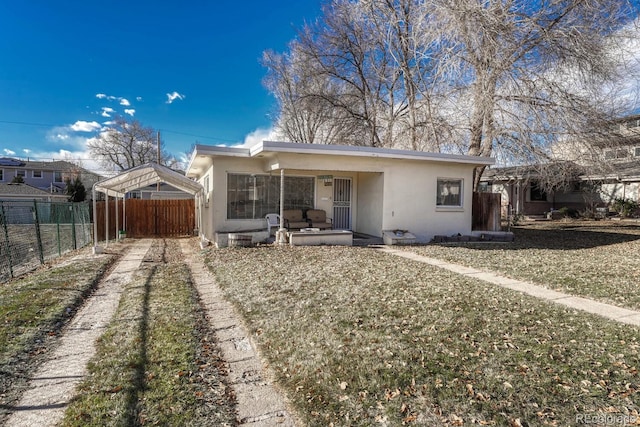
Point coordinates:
[(625, 207)]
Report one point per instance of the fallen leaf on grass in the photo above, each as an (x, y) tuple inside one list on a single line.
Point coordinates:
[(115, 389), (456, 420)]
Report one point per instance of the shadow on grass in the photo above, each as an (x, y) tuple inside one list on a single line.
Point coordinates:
[(138, 379), (564, 237)]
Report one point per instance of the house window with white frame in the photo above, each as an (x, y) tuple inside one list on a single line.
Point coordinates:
[(252, 196), (21, 173), (449, 192), (1, 174), (636, 152), (57, 176), (36, 174)]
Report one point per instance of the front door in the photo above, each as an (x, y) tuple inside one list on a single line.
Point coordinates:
[(342, 203)]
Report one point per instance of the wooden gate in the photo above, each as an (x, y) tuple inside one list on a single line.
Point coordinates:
[(486, 211), (149, 218)]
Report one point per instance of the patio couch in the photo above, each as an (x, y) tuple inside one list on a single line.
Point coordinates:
[(318, 219), (294, 219)]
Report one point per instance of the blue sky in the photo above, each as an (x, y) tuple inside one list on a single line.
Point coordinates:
[(189, 69)]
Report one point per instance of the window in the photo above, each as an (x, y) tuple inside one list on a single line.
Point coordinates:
[(21, 172), (36, 174), (57, 176), (636, 152), (620, 153), (254, 196), (449, 192), (1, 174), (536, 193), (633, 124), (485, 187)]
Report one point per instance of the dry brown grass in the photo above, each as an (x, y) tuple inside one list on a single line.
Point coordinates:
[(597, 259), (358, 337)]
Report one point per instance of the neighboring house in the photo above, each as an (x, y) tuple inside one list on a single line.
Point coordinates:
[(616, 177), (163, 191), (46, 176), (362, 189), (521, 193), (25, 192)]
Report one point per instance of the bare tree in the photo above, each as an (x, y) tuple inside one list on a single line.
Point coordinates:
[(301, 118), (126, 144), (533, 73), (504, 78)]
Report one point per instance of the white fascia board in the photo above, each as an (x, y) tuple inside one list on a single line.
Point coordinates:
[(355, 151), (212, 150)]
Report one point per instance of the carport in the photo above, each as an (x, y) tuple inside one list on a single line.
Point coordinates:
[(133, 179)]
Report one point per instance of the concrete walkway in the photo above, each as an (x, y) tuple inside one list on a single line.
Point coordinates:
[(52, 386), (619, 314), (259, 403)]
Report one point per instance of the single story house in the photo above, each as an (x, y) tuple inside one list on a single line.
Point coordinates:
[(584, 191), (26, 192), (362, 189)]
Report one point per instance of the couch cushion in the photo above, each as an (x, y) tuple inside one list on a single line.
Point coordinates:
[(293, 215), (316, 215)]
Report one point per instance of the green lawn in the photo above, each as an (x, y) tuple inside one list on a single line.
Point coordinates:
[(33, 310), (157, 363), (359, 337)]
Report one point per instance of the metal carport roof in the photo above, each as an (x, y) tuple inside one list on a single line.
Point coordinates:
[(144, 175)]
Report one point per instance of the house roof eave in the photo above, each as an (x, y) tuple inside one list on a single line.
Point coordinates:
[(372, 152)]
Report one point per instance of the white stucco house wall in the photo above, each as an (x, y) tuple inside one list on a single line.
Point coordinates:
[(362, 189)]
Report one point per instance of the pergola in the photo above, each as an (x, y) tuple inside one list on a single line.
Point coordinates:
[(132, 179)]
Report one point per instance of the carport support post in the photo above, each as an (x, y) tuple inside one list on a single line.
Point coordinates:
[(95, 220), (117, 220), (106, 219), (282, 232), (124, 213)]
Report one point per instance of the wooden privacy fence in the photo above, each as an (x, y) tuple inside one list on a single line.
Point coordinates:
[(486, 212), (148, 218)]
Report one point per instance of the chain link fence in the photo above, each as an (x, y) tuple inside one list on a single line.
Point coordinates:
[(33, 232)]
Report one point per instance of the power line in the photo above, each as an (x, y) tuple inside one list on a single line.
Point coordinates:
[(28, 123), (214, 138)]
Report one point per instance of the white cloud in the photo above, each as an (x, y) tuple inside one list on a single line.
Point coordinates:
[(173, 96), (138, 98), (107, 111), (84, 126), (124, 102), (26, 151), (9, 152), (105, 96), (130, 111), (257, 136)]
